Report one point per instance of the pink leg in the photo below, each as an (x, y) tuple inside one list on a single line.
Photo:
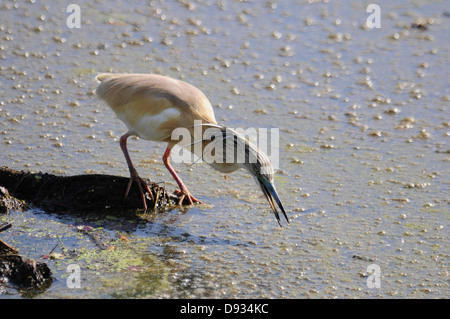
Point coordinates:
[(183, 189), (134, 177)]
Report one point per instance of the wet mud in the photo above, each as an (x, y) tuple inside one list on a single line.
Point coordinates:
[(80, 193)]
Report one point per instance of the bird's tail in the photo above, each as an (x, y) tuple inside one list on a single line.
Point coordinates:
[(103, 76)]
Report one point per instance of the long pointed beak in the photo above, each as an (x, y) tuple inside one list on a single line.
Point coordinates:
[(272, 197)]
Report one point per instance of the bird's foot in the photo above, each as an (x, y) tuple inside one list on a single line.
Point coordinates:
[(185, 196), (141, 184)]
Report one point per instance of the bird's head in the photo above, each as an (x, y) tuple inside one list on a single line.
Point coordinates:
[(228, 151), (262, 171)]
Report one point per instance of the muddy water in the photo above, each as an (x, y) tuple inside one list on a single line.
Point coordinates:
[(364, 128)]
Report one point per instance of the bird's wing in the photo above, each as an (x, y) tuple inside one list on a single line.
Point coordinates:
[(155, 93)]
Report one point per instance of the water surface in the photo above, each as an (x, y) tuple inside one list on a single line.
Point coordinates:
[(364, 129)]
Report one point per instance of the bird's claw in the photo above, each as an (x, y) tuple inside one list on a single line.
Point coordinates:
[(134, 177), (185, 195)]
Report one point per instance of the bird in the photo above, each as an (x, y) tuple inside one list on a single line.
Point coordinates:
[(152, 106)]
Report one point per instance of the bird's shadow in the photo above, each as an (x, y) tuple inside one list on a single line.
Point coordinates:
[(162, 225), (97, 200)]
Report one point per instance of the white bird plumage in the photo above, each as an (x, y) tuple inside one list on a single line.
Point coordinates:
[(152, 106)]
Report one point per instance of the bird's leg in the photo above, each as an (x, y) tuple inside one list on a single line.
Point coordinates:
[(183, 189), (134, 176)]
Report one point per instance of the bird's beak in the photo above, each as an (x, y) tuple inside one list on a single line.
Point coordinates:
[(272, 197)]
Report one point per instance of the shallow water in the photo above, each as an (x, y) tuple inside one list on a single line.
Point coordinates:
[(364, 129)]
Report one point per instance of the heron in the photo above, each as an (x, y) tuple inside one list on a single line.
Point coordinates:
[(152, 106)]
